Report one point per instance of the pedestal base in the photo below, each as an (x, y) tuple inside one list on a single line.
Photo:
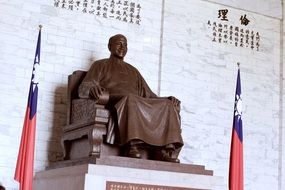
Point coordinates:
[(96, 176)]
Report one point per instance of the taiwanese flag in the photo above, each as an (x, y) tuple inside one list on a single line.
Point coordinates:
[(25, 163), (236, 157)]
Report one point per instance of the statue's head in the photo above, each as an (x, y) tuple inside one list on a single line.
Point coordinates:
[(118, 46)]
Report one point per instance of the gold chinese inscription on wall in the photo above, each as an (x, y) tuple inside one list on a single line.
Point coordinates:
[(111, 185), (122, 10), (238, 36)]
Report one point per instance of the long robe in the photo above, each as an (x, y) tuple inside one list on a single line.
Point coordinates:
[(137, 113)]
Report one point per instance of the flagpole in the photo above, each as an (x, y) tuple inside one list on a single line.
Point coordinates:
[(236, 178), (25, 161)]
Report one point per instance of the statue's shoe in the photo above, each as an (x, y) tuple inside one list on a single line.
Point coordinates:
[(169, 159), (134, 152)]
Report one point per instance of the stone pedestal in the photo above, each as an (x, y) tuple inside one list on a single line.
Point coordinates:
[(142, 174)]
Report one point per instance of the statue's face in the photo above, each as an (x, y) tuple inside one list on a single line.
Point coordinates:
[(119, 47)]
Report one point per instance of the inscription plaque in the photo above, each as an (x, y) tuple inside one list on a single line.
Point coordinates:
[(113, 185)]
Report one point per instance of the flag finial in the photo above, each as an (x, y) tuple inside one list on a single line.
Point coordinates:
[(40, 26), (238, 64)]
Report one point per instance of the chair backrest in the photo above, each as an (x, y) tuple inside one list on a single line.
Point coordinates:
[(74, 80)]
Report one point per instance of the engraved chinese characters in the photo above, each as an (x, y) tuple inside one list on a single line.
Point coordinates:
[(112, 185), (122, 10), (224, 32)]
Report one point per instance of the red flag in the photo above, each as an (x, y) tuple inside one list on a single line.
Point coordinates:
[(25, 163), (236, 157)]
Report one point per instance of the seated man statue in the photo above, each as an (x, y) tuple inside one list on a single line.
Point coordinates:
[(139, 118)]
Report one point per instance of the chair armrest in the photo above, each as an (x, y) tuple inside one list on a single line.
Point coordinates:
[(77, 125)]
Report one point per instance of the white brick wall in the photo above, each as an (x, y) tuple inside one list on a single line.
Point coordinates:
[(71, 40), (202, 74)]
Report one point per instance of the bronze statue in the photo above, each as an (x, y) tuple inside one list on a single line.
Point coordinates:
[(140, 119)]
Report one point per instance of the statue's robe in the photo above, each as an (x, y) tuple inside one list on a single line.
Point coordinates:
[(137, 113)]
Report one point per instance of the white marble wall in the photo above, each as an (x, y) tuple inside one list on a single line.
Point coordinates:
[(272, 8), (282, 121), (201, 73)]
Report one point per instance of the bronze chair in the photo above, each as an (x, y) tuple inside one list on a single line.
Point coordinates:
[(86, 128)]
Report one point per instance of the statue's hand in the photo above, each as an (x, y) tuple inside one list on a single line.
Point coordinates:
[(174, 100), (96, 91)]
